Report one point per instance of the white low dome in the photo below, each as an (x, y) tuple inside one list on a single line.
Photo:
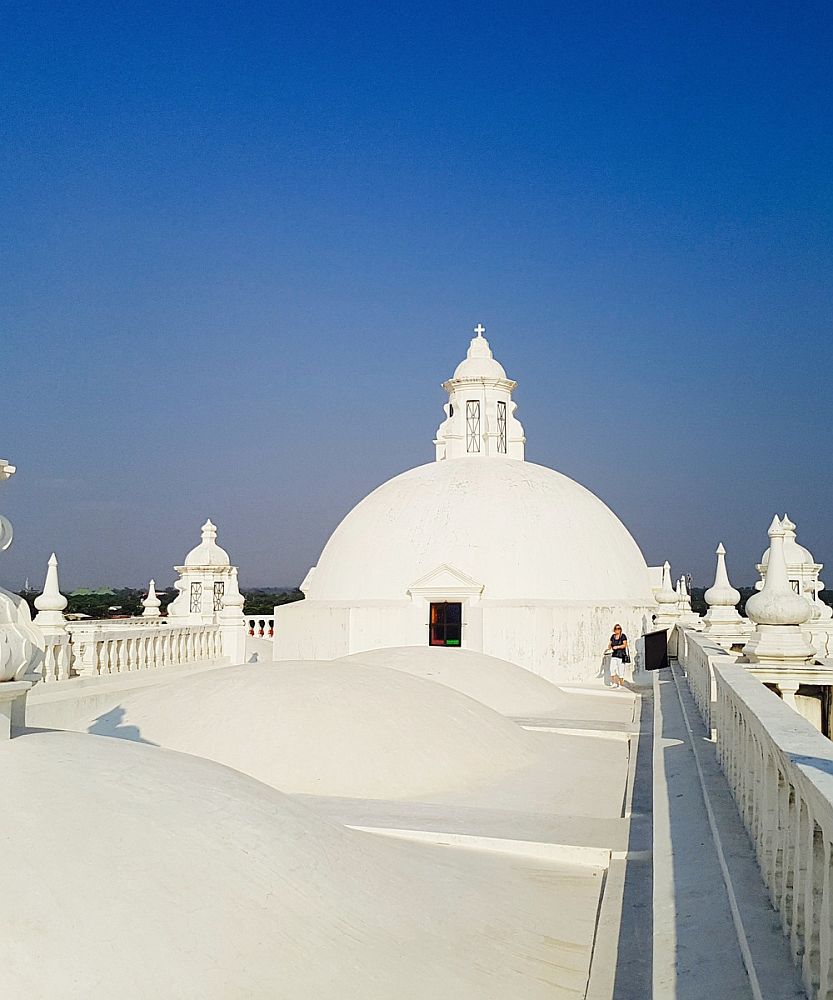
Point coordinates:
[(498, 684), (521, 530), (324, 728), (134, 872)]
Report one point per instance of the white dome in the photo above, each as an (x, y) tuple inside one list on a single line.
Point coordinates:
[(322, 728), (157, 874), (521, 530), (480, 368), (479, 362), (794, 554), (498, 684), (208, 552)]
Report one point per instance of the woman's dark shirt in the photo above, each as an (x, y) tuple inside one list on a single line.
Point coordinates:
[(614, 642)]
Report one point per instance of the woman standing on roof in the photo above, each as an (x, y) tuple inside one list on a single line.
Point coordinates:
[(618, 649)]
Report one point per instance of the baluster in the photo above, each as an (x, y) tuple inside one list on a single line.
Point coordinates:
[(813, 883), (47, 670), (825, 990), (771, 781), (803, 840)]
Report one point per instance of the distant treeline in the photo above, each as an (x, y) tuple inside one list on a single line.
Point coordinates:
[(126, 602)]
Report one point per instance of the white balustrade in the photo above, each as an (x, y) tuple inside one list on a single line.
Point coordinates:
[(113, 647), (697, 654), (780, 770), (57, 657)]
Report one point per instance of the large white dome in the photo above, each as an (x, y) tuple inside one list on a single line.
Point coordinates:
[(521, 530)]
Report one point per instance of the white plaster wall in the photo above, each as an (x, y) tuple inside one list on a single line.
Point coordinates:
[(560, 641)]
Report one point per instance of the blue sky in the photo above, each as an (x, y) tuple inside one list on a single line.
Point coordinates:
[(242, 245)]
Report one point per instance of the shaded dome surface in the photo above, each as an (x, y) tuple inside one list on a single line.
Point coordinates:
[(521, 530), (325, 728), (498, 684), (161, 875)]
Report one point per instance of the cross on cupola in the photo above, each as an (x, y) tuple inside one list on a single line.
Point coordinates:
[(480, 415)]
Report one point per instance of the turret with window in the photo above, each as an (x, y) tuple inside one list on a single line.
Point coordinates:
[(480, 415)]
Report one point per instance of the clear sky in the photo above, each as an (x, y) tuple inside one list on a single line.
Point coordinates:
[(242, 245)]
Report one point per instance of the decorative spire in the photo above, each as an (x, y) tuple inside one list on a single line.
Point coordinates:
[(722, 599), (778, 612), (688, 617), (51, 602), (667, 600), (151, 603), (209, 531), (683, 600)]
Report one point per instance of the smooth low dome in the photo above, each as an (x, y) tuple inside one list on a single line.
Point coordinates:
[(326, 729), (133, 872), (496, 683), (522, 531)]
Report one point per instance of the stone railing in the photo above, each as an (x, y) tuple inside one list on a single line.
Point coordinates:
[(57, 657), (780, 770), (96, 649), (697, 655)]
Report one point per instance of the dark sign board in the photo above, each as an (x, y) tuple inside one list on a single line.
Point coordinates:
[(656, 650)]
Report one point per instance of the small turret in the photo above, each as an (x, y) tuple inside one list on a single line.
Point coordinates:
[(480, 415)]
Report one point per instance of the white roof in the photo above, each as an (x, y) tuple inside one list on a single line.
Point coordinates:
[(158, 874), (521, 531)]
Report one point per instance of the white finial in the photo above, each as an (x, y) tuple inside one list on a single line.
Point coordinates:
[(51, 602), (209, 531), (778, 611), (667, 600), (151, 603), (480, 329), (722, 599)]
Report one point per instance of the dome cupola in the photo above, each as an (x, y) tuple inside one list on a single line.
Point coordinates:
[(480, 415), (208, 552)]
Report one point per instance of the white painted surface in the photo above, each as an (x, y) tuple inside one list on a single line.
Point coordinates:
[(327, 729), (480, 414), (204, 578), (21, 645), (522, 531), (498, 684), (161, 875)]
